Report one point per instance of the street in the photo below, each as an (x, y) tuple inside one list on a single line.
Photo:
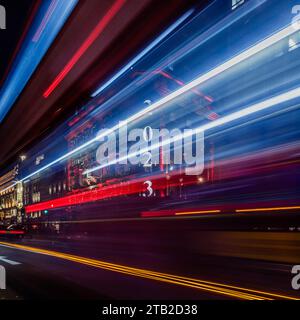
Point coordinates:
[(118, 265)]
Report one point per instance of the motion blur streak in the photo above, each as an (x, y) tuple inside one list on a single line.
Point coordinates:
[(116, 7), (144, 52), (45, 21), (243, 56), (284, 97), (46, 25), (89, 196), (232, 291), (11, 232), (268, 209), (197, 212), (218, 70), (171, 214), (214, 212)]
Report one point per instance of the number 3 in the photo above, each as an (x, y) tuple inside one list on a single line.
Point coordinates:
[(149, 188)]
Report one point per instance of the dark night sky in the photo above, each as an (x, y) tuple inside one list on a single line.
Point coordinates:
[(17, 14)]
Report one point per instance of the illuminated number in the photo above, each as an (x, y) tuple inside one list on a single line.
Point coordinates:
[(148, 135), (147, 162), (149, 189)]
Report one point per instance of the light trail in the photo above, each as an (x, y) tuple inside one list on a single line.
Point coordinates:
[(153, 44), (207, 76), (196, 212), (169, 215), (263, 105), (102, 24), (11, 232), (268, 209), (45, 26), (45, 20), (208, 286)]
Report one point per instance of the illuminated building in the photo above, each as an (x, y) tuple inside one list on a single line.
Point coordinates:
[(11, 198)]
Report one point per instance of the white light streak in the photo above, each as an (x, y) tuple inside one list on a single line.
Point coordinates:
[(260, 46), (284, 97), (144, 52)]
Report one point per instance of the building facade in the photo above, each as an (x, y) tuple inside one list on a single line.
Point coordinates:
[(11, 198)]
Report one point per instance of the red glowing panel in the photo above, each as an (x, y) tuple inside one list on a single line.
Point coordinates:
[(89, 196), (134, 186), (11, 232), (153, 214)]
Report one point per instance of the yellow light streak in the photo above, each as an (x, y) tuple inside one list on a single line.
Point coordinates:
[(267, 209), (197, 212), (217, 288)]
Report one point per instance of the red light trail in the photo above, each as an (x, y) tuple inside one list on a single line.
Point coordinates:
[(11, 232), (111, 13)]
